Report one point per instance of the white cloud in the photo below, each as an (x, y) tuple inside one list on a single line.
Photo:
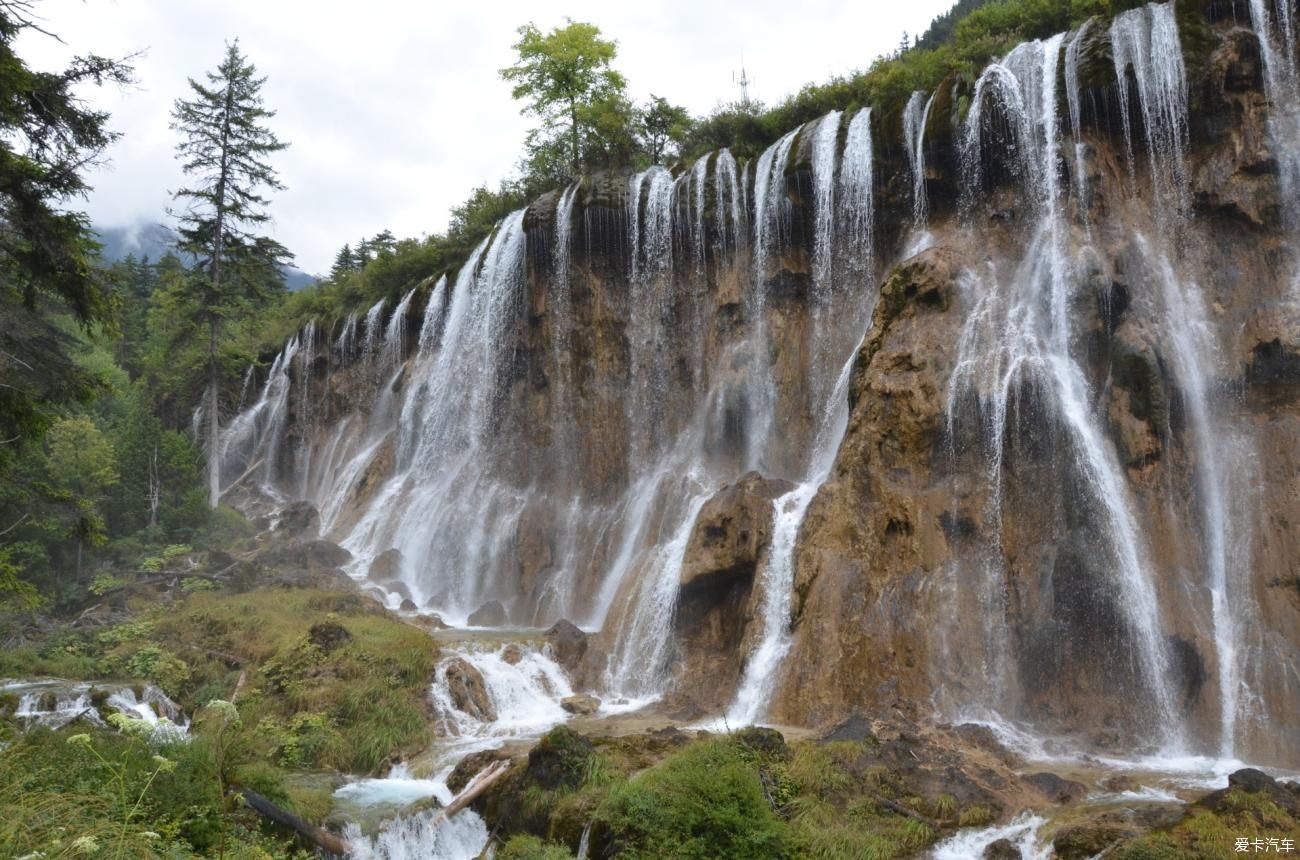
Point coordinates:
[(395, 110)]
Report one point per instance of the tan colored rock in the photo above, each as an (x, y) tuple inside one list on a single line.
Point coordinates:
[(714, 607), (468, 691), (581, 704)]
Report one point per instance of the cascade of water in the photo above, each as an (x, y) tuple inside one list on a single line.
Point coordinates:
[(431, 326), (250, 376), (834, 343), (762, 667), (651, 306), (636, 667), (1195, 355), (857, 197), (347, 340), (915, 117), (442, 510), (699, 179), (305, 417), (1072, 99), (1149, 43), (373, 334), (771, 229), (395, 333), (823, 167), (560, 310), (728, 209), (1145, 40), (261, 427), (1277, 48), (421, 836), (1022, 831), (1008, 342)]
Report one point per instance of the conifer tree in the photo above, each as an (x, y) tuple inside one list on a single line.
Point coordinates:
[(224, 149), (344, 262)]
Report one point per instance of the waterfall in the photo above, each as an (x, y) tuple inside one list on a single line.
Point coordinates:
[(823, 167), (1076, 115), (250, 377), (1145, 40), (442, 511), (395, 333), (699, 179), (305, 416), (1277, 48), (347, 340), (857, 196), (729, 211), (771, 229), (916, 115), (1018, 334), (762, 667), (260, 429), (373, 334), (431, 325), (1195, 356)]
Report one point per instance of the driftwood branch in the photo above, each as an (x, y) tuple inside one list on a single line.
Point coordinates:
[(240, 479), (21, 520), (318, 836), (903, 810)]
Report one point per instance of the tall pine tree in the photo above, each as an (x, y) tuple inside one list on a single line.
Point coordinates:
[(225, 148)]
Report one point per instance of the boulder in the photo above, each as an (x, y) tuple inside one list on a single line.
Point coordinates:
[(732, 529), (386, 566), (299, 520), (1057, 789), (329, 635), (855, 728), (568, 644), (581, 704), (714, 606), (490, 614), (468, 691), (408, 605), (1002, 849), (512, 654)]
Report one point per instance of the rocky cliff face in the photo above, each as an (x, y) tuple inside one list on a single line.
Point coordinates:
[(786, 437)]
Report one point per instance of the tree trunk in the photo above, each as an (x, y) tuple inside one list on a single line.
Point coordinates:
[(573, 118), (214, 420), (214, 429), (318, 836)]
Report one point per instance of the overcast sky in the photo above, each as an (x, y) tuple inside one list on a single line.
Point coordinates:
[(395, 110)]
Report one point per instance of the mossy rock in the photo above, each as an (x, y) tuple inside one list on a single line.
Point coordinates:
[(560, 759)]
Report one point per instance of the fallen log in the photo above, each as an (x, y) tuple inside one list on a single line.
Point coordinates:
[(479, 784), (318, 836), (903, 810)]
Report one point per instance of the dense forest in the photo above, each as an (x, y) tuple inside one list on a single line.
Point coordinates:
[(117, 379)]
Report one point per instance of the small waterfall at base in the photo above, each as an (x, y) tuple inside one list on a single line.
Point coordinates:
[(1022, 831)]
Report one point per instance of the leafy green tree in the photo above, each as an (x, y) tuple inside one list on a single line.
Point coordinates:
[(224, 149), (659, 124), (81, 461), (562, 76)]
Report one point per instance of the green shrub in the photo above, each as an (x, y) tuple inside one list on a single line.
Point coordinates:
[(532, 848), (706, 802)]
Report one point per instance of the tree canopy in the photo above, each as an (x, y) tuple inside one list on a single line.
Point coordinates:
[(566, 78)]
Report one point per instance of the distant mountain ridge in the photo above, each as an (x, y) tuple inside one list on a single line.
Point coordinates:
[(153, 240)]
